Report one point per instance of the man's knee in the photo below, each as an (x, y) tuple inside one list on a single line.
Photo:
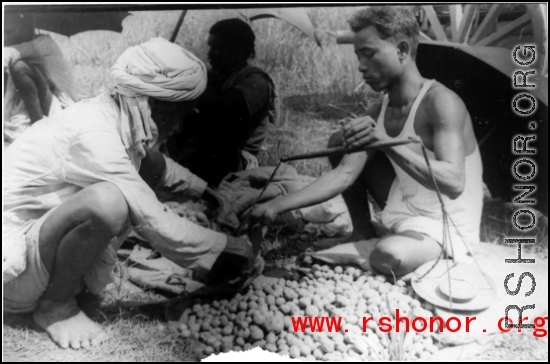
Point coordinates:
[(386, 260), (336, 140), (21, 69), (105, 205)]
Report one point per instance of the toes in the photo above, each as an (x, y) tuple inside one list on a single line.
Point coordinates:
[(98, 339), (62, 341), (75, 344), (85, 343)]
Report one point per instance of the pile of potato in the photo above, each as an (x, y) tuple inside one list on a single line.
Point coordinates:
[(261, 317)]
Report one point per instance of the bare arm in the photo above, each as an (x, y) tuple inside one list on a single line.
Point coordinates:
[(322, 189), (447, 118), (448, 115)]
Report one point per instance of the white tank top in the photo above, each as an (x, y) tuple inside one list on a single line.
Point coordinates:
[(408, 198)]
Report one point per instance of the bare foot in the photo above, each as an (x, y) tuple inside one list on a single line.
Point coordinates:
[(67, 325)]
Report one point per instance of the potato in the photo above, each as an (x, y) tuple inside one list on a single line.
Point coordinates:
[(350, 271), (273, 324), (256, 333), (380, 278), (287, 322), (268, 288), (224, 320), (227, 345), (258, 318), (240, 341), (271, 347), (244, 333), (243, 306), (264, 308), (305, 350), (208, 350), (227, 329), (327, 346), (271, 338), (295, 352), (280, 301), (317, 354), (289, 294), (312, 311), (304, 302), (270, 300)]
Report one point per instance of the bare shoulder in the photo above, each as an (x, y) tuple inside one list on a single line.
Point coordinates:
[(444, 105)]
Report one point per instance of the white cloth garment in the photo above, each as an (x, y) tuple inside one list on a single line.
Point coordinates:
[(158, 69), (81, 146), (411, 206)]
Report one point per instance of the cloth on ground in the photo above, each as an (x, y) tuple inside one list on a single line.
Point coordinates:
[(411, 206), (241, 190), (141, 274)]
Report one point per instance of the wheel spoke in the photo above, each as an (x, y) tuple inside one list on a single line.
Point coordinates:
[(434, 21), (487, 23), (466, 24), (505, 31), (456, 18)]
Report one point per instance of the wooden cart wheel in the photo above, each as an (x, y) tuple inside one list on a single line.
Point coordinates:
[(475, 25)]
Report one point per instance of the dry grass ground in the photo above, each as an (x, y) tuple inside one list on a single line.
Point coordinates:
[(315, 84)]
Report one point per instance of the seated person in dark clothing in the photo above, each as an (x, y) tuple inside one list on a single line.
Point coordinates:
[(233, 114)]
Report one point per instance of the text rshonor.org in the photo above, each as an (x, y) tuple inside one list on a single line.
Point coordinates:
[(402, 323)]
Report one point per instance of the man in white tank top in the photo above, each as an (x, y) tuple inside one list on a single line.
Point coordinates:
[(385, 43)]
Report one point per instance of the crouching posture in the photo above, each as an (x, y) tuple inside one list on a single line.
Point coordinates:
[(385, 42), (73, 192)]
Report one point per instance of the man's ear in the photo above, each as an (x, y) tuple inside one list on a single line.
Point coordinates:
[(404, 49)]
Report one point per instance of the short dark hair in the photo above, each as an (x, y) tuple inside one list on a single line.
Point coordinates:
[(236, 34), (390, 21)]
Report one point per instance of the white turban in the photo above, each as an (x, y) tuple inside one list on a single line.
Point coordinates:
[(158, 69)]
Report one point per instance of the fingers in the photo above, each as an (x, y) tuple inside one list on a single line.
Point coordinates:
[(363, 137), (357, 131)]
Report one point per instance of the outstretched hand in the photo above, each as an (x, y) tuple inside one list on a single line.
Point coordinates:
[(262, 215)]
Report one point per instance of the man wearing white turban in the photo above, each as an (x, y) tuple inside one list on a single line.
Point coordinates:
[(73, 192)]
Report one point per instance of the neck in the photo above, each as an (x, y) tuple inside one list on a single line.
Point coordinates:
[(404, 91)]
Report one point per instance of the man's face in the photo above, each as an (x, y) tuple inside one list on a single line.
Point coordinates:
[(378, 59), (221, 58)]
